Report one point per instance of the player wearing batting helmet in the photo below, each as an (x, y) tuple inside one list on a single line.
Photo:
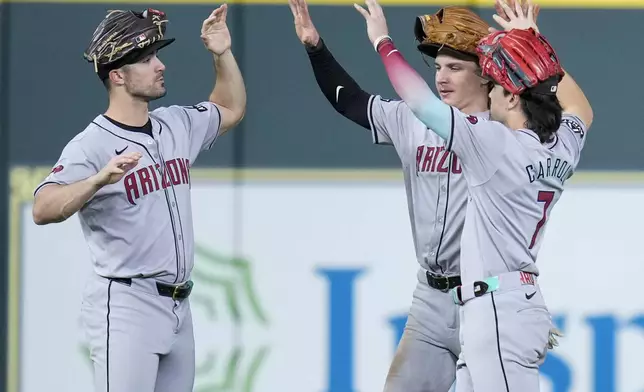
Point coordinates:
[(127, 175), (515, 165), (425, 360)]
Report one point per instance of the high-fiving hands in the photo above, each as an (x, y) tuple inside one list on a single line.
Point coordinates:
[(214, 31), (515, 14), (304, 28), (376, 22)]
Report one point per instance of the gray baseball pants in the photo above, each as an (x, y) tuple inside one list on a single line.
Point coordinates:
[(138, 340)]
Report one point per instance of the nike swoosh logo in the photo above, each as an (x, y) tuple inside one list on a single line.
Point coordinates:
[(120, 152), (529, 296), (337, 93)]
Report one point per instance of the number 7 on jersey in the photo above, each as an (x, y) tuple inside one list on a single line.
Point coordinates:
[(544, 197)]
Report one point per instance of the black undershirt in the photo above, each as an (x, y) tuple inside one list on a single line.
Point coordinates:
[(352, 101), (146, 129)]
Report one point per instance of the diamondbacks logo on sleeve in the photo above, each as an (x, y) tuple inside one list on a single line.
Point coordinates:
[(199, 108), (574, 126)]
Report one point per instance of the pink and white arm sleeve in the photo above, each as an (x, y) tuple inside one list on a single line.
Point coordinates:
[(412, 89)]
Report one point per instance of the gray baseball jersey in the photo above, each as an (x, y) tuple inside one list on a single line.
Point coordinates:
[(514, 182), (434, 183), (139, 232), (436, 198), (142, 225)]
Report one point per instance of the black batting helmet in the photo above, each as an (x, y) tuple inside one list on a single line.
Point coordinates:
[(125, 37)]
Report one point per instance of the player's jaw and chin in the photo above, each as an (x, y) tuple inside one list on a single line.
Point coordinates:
[(144, 80), (147, 93)]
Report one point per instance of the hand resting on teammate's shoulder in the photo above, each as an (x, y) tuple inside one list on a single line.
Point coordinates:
[(55, 202)]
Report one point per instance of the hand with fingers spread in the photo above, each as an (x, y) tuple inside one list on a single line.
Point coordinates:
[(500, 11), (304, 28), (214, 31), (376, 22), (116, 168), (519, 14)]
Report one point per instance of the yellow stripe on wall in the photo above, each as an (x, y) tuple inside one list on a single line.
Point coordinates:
[(609, 4)]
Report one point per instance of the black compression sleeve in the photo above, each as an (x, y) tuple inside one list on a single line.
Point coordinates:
[(349, 100)]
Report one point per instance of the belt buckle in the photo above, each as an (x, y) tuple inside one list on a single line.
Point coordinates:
[(488, 285), (175, 292), (443, 283), (185, 286), (481, 288)]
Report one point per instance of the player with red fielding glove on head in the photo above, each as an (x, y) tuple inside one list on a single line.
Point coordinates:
[(515, 164)]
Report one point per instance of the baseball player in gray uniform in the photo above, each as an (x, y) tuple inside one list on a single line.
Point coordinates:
[(425, 360), (515, 165), (127, 174)]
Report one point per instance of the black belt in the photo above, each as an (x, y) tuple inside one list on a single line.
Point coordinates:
[(442, 282), (181, 291)]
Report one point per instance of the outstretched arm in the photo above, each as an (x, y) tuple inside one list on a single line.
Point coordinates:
[(339, 88), (413, 89), (409, 85), (229, 93)]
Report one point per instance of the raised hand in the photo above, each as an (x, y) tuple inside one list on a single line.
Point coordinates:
[(116, 168), (304, 28), (375, 17), (214, 31), (515, 14), (512, 3)]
